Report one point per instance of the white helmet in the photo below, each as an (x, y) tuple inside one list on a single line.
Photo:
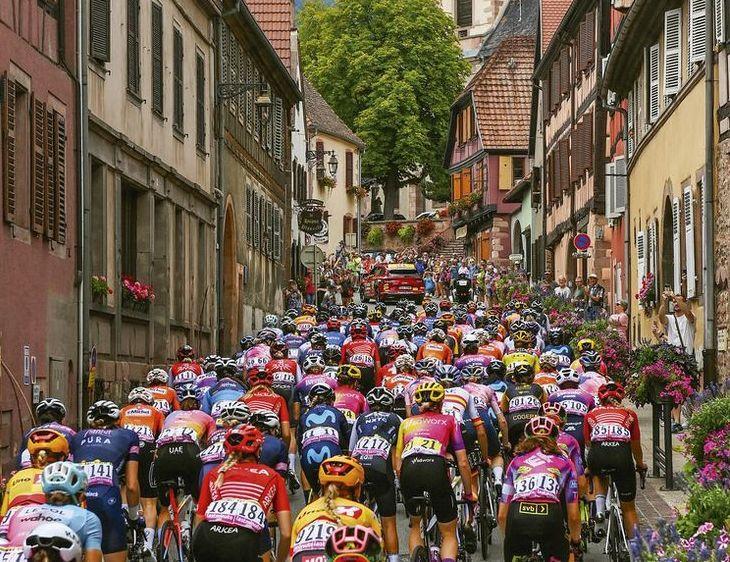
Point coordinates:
[(141, 394), (271, 321), (54, 536), (566, 374), (157, 375), (312, 361)]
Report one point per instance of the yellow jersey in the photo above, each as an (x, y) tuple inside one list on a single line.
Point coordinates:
[(315, 523), (522, 357), (23, 488)]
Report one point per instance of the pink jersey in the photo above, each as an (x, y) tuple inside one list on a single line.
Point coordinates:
[(537, 477), (484, 396), (350, 402), (475, 359), (186, 426), (430, 433)]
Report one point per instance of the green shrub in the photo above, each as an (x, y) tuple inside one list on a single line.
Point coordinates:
[(705, 504), (375, 237), (406, 234), (710, 417)]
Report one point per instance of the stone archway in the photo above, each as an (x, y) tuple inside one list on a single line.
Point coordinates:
[(517, 247), (229, 304)]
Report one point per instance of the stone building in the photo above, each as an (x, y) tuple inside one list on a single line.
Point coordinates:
[(474, 19)]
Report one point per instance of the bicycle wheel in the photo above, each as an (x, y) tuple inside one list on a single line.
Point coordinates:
[(487, 515), (420, 554), (615, 545), (169, 549)]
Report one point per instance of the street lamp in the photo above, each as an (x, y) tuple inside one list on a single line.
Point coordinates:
[(315, 157), (236, 89), (332, 164)]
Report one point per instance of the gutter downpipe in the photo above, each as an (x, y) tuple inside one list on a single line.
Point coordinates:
[(708, 196), (220, 194)]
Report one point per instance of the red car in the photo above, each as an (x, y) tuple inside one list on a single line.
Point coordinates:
[(392, 281)]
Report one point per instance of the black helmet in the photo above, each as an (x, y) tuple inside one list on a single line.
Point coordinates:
[(246, 342), (380, 397), (555, 336), (332, 354), (420, 329), (496, 370), (185, 352), (404, 332), (321, 392), (522, 371), (318, 339), (440, 324)]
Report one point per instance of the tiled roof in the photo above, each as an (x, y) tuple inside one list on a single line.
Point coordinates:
[(551, 14), (518, 17), (322, 117), (502, 93), (276, 20)]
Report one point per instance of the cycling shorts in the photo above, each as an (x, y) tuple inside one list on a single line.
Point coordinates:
[(428, 473), (106, 504), (177, 460), (539, 522), (147, 484), (382, 486), (471, 444), (516, 423), (615, 456), (312, 456), (215, 542)]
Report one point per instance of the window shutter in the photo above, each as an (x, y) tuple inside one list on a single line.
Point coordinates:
[(630, 118), (256, 220), (51, 195), (696, 31), (689, 241), (580, 49), (464, 13), (676, 239), (133, 46), (99, 16), (653, 83), (652, 265), (319, 152), (610, 189), (241, 64), (9, 148), (157, 69), (348, 170), (590, 39), (620, 194), (279, 129), (269, 228), (40, 180), (249, 215), (564, 71), (672, 51), (277, 235), (587, 145), (640, 257), (546, 104), (556, 172), (720, 21), (199, 101), (249, 95), (565, 163), (177, 78), (555, 85), (59, 158)]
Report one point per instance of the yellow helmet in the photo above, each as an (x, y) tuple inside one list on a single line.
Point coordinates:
[(342, 470), (586, 344), (429, 392), (349, 372), (47, 440)]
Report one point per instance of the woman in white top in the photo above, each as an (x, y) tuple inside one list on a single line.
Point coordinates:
[(562, 290)]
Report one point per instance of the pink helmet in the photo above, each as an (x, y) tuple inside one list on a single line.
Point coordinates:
[(542, 426), (355, 543)]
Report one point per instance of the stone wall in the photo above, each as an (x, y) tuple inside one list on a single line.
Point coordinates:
[(722, 252)]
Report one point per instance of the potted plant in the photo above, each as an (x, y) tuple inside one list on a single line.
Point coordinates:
[(647, 293), (406, 234), (661, 373), (391, 228), (375, 237), (100, 289), (424, 227), (136, 295), (327, 182)]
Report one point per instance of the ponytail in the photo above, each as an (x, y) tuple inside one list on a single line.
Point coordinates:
[(231, 459), (330, 494), (545, 443)]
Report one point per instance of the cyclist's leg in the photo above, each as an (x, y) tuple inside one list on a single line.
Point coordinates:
[(148, 490), (625, 479), (595, 462), (106, 503), (385, 499), (411, 487), (554, 542), (444, 507), (515, 542)]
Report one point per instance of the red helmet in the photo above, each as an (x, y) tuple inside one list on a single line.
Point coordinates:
[(445, 304), (259, 375), (279, 348), (333, 324), (543, 426), (243, 439), (397, 349), (611, 391), (359, 330)]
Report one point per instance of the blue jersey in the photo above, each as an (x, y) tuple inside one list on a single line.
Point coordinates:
[(104, 454), (19, 522), (293, 343), (372, 439), (23, 458), (225, 389), (563, 350), (274, 454), (335, 337), (301, 390), (323, 424), (306, 351)]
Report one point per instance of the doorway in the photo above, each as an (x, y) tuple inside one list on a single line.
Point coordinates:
[(229, 304)]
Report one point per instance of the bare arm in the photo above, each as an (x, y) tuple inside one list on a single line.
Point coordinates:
[(132, 482), (284, 519), (662, 312), (502, 516), (93, 556), (573, 512)]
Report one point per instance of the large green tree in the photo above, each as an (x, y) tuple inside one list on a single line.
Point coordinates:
[(391, 69)]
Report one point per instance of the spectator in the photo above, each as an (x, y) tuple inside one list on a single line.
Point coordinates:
[(620, 320), (579, 294), (428, 283), (310, 291), (596, 297), (293, 296), (562, 290)]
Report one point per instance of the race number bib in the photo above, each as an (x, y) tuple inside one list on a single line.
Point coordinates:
[(526, 402), (163, 405), (185, 377), (575, 407), (99, 473), (350, 416), (11, 554), (610, 432), (218, 407), (284, 378), (423, 446), (320, 434), (540, 484), (313, 537), (214, 453), (258, 361), (145, 433), (177, 435), (237, 513), (374, 446), (362, 359)]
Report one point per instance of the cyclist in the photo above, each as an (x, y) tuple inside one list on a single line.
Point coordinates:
[(546, 378), (521, 401), (577, 402), (425, 372), (371, 442), (567, 442), (419, 333), (355, 544), (420, 462), (556, 343), (292, 339), (348, 399), (341, 479), (50, 414), (538, 482), (405, 333), (436, 347), (470, 353), (491, 345), (229, 388), (592, 377), (245, 343), (271, 321), (323, 431), (332, 355), (45, 446), (363, 353), (393, 352), (314, 373), (612, 435), (234, 501), (107, 453), (285, 371), (185, 363), (334, 333), (496, 373), (52, 542), (260, 354), (146, 421), (313, 348), (64, 486), (164, 395), (261, 397), (274, 453), (231, 415)]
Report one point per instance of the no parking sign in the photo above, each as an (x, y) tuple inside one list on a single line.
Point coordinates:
[(582, 242)]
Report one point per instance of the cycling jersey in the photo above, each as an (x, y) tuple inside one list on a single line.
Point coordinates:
[(385, 371), (323, 433), (437, 350), (363, 354), (227, 389), (293, 343), (521, 357), (301, 390), (485, 399), (287, 374), (20, 521), (23, 458), (563, 351), (267, 399), (206, 381), (577, 404), (215, 452), (186, 426), (334, 337), (570, 445), (494, 349), (350, 402), (23, 488), (520, 403), (537, 477), (315, 524), (372, 439), (146, 421), (459, 404), (591, 381), (611, 424), (258, 356), (306, 350), (472, 359), (430, 433), (398, 382), (165, 398), (546, 379), (274, 454)]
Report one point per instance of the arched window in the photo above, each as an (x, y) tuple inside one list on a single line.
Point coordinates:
[(668, 257)]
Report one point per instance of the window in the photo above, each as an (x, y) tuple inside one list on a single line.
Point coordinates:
[(256, 220), (129, 230), (99, 44), (463, 13), (133, 46), (157, 66), (177, 79), (518, 168), (652, 79), (689, 240), (249, 215), (348, 170), (249, 96), (199, 101), (672, 51), (204, 297), (278, 129), (277, 234), (456, 186), (256, 110)]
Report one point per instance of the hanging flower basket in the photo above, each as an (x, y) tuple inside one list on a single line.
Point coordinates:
[(136, 295), (647, 293)]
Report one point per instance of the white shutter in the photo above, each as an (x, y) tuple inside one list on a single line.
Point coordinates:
[(689, 241), (720, 21), (696, 31), (677, 242), (640, 257), (654, 248), (610, 189), (630, 117), (672, 51), (653, 83), (620, 195)]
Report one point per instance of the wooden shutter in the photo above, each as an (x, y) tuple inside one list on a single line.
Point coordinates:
[(610, 189), (99, 23), (630, 118), (279, 129), (177, 78), (40, 179), (249, 214), (565, 71), (277, 235), (464, 13), (696, 31), (653, 82), (9, 150), (590, 33), (672, 51), (546, 105), (575, 143), (51, 173), (557, 189), (256, 220), (59, 167), (640, 257), (565, 163), (587, 160), (199, 101), (677, 245), (689, 241), (133, 46), (270, 228), (348, 170), (579, 50), (720, 21), (555, 84), (157, 68), (620, 195)]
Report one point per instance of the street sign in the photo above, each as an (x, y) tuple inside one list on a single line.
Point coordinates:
[(26, 365), (310, 216), (311, 256), (516, 258), (582, 242)]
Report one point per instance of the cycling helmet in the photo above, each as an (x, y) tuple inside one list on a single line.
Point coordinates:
[(448, 318), (611, 391), (358, 329), (396, 349), (446, 374), (473, 373), (439, 324), (348, 372), (226, 368), (522, 371), (437, 335), (314, 363), (158, 376), (48, 440), (288, 326), (51, 407), (397, 312), (333, 324), (523, 338), (426, 366), (586, 344), (322, 316), (318, 340), (244, 440), (517, 326), (265, 419), (542, 426), (259, 375), (404, 362), (344, 471), (66, 477), (445, 304), (404, 332), (187, 391), (566, 375), (353, 544), (380, 396), (381, 306), (460, 316), (141, 394), (246, 343), (103, 410), (590, 361), (308, 309), (321, 392), (279, 349), (235, 411), (185, 352), (555, 336), (429, 393), (496, 370), (359, 311), (554, 410), (291, 314), (209, 362), (375, 315), (267, 336), (56, 537), (271, 321), (549, 359), (332, 354), (431, 309), (470, 341), (420, 329)]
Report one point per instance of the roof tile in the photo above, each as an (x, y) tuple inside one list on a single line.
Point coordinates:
[(276, 20), (322, 117), (551, 14)]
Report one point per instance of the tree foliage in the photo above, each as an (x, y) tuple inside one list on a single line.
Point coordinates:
[(391, 69)]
